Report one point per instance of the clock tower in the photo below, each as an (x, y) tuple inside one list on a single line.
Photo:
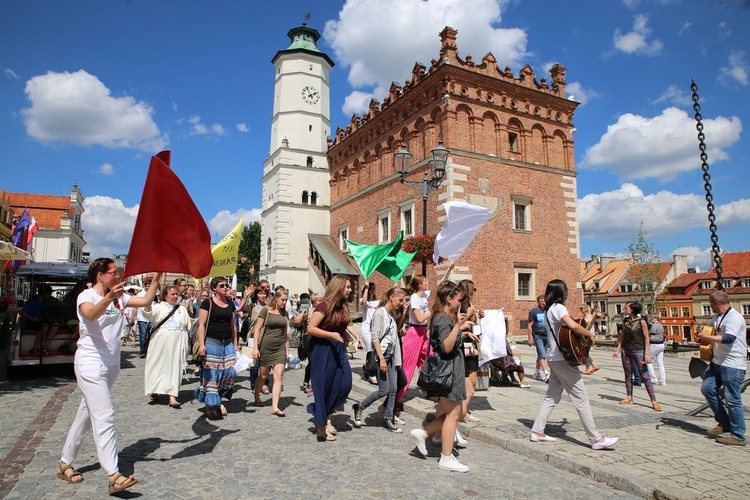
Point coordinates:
[(296, 199)]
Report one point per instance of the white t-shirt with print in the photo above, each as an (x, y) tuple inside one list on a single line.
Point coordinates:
[(554, 316), (100, 339), (732, 355), (417, 302)]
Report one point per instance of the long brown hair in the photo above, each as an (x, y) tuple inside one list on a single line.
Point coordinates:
[(415, 282), (390, 293), (335, 300), (445, 290)]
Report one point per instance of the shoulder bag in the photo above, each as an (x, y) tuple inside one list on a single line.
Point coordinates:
[(436, 375), (372, 363), (153, 330), (195, 351)]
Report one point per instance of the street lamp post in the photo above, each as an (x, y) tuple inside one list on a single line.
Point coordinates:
[(434, 175)]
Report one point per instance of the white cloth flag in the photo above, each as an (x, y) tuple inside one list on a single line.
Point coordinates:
[(492, 344), (462, 223)]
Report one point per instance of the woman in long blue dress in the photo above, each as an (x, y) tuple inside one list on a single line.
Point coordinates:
[(331, 373)]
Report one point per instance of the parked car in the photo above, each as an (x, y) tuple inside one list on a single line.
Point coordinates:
[(65, 281)]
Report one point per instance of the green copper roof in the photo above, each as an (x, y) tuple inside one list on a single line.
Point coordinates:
[(303, 37)]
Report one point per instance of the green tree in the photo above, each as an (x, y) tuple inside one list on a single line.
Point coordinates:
[(249, 255), (646, 270)]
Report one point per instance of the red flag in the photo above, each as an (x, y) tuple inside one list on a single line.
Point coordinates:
[(170, 235), (33, 228)]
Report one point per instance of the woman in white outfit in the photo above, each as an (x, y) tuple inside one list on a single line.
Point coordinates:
[(369, 302), (101, 316), (656, 349), (167, 347), (562, 375)]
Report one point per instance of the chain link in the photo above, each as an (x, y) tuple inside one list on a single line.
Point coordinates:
[(715, 250)]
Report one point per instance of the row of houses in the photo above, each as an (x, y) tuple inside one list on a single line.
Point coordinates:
[(678, 294)]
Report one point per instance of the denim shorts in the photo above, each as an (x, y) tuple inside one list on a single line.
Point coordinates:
[(541, 342)]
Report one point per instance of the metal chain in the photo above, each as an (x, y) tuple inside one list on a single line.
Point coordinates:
[(715, 250)]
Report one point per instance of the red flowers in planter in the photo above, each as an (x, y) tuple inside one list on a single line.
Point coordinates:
[(424, 245)]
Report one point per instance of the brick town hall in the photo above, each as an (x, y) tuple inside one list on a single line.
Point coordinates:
[(511, 150)]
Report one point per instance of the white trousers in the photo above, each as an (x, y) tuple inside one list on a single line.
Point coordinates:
[(657, 358), (569, 378), (96, 412)]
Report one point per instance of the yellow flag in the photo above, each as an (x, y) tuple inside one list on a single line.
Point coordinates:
[(225, 252)]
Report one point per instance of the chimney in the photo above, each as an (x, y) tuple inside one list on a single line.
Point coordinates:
[(680, 265), (606, 260)]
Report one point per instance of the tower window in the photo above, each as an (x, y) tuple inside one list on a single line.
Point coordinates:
[(313, 198), (311, 67), (309, 161), (304, 197), (513, 141), (309, 128), (268, 250)]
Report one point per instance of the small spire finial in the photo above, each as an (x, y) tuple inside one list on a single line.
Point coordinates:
[(308, 15)]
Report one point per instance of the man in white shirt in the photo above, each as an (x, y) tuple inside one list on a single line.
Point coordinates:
[(727, 368), (143, 323)]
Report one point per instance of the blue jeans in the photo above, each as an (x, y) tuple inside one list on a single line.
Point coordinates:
[(731, 378), (387, 386), (143, 327), (541, 342)]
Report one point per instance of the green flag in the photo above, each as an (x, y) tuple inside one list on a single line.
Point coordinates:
[(388, 258)]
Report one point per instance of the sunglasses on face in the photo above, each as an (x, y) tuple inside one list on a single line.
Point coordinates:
[(222, 285)]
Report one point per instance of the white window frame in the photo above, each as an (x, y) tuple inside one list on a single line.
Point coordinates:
[(532, 283), (745, 309), (746, 282), (384, 215), (706, 309), (727, 283), (618, 308), (707, 284), (343, 235), (525, 202), (403, 208)]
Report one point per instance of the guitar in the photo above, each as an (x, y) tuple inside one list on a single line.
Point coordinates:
[(574, 348), (707, 346)]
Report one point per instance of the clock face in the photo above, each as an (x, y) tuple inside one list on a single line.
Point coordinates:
[(310, 95)]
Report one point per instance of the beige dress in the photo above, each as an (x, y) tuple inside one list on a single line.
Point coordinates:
[(167, 350), (272, 338)]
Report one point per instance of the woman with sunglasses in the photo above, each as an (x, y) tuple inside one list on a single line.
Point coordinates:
[(217, 343), (101, 316)]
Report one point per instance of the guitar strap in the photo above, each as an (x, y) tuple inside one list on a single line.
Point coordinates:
[(557, 343)]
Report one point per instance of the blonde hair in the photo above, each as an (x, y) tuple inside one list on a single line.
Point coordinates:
[(315, 298)]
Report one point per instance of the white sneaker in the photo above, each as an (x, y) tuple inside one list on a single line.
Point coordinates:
[(663, 382), (460, 440), (450, 463), (398, 421), (606, 443), (420, 438), (536, 438), (655, 381), (537, 376)]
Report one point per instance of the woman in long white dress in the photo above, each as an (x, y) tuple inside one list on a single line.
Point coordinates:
[(167, 347)]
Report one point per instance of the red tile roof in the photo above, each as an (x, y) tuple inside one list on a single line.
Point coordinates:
[(47, 209), (733, 264)]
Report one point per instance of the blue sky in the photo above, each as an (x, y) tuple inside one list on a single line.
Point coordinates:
[(90, 90)]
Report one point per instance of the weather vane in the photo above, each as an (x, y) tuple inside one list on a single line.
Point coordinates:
[(308, 15)]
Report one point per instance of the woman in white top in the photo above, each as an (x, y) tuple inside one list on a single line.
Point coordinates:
[(101, 313), (167, 347), (369, 303), (385, 344), (414, 343), (562, 375)]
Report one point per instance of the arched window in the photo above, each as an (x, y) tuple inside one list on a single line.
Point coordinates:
[(268, 250), (309, 161), (313, 198), (304, 197)]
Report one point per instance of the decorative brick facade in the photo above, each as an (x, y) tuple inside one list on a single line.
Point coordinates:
[(511, 150)]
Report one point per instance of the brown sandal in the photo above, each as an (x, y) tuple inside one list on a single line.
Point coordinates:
[(120, 483), (656, 406), (627, 401), (62, 473)]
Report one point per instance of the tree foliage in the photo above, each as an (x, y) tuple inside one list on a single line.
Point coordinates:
[(249, 254), (646, 271)]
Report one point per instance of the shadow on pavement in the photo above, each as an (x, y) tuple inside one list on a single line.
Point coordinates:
[(683, 425)]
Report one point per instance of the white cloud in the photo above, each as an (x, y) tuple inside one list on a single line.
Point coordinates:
[(356, 102), (631, 4), (199, 128), (724, 31), (106, 169), (108, 224), (224, 221), (685, 26), (78, 108), (663, 146), (580, 93), (676, 96), (635, 42), (174, 106), (242, 127), (617, 214), (11, 74), (380, 40), (695, 257), (737, 70)]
